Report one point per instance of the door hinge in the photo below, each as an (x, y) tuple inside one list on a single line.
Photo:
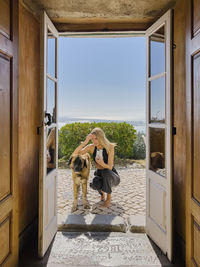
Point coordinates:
[(38, 130), (174, 46), (173, 130)]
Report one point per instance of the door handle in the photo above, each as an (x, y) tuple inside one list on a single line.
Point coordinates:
[(49, 117)]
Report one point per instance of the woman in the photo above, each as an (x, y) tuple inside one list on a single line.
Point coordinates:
[(102, 150)]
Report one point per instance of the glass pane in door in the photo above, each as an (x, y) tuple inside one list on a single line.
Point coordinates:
[(157, 150), (157, 52), (51, 149), (51, 54), (157, 100), (51, 99)]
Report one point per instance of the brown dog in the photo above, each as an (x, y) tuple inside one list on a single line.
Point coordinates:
[(157, 161), (80, 165)]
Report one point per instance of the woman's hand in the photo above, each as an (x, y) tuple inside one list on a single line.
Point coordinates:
[(99, 161), (88, 138)]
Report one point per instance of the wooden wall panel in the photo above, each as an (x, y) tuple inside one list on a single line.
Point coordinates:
[(179, 182), (5, 18), (29, 101)]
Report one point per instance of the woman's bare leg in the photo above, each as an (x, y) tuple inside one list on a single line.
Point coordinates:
[(102, 195), (107, 202)]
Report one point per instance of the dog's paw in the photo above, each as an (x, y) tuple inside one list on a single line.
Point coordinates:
[(74, 208)]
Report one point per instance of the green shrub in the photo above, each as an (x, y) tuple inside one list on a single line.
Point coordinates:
[(71, 135), (139, 148)]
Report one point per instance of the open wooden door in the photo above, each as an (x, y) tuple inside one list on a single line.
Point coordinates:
[(9, 232), (159, 134), (193, 133), (49, 136)]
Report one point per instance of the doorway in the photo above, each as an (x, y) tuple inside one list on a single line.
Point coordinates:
[(102, 84), (158, 186)]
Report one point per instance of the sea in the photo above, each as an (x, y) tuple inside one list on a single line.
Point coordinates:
[(138, 125)]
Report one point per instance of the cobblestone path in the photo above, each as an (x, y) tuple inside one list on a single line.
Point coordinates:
[(128, 198)]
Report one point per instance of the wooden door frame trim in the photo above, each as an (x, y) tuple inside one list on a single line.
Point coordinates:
[(10, 48), (188, 133), (15, 119)]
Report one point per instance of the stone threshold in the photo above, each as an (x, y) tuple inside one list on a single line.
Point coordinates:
[(101, 223), (92, 249)]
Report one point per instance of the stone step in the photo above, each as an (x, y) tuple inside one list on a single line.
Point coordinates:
[(101, 223), (92, 222), (137, 223)]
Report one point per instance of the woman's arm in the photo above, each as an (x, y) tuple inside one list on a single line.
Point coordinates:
[(110, 163), (82, 148)]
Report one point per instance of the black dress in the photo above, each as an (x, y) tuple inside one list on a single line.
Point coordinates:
[(104, 179)]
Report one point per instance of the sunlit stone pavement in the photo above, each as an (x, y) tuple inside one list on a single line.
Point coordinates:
[(102, 249), (88, 248), (128, 198)]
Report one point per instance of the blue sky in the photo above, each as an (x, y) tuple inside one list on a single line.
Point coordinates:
[(102, 78)]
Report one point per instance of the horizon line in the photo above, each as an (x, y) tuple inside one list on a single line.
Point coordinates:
[(99, 118)]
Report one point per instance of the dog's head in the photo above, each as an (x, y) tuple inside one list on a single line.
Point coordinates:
[(157, 160), (79, 162)]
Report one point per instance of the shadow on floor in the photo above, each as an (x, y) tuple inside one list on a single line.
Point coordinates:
[(29, 257), (176, 262)]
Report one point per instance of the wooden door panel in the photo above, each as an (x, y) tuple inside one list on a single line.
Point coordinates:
[(193, 133), (5, 18), (157, 211), (5, 231), (196, 242), (196, 17), (50, 199), (9, 232), (5, 125), (196, 129)]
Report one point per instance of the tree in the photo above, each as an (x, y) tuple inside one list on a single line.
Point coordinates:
[(139, 148)]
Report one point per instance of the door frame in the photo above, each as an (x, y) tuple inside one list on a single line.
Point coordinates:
[(47, 225), (129, 34), (192, 203)]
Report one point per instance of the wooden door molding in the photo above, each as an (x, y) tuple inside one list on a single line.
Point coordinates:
[(192, 133), (9, 231)]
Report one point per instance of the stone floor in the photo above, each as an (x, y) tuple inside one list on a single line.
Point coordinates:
[(128, 198), (98, 249), (101, 249), (91, 249)]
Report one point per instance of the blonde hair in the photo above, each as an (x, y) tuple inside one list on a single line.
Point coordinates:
[(99, 133)]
